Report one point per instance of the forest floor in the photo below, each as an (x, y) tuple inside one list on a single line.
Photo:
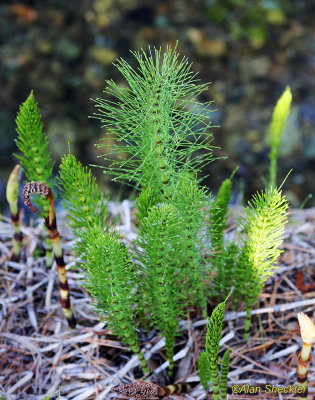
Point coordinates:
[(39, 354)]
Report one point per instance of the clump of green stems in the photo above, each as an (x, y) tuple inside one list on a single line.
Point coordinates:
[(162, 143), (208, 361), (35, 157)]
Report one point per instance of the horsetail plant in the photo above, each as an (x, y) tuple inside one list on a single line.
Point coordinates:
[(12, 193), (35, 158), (208, 362), (109, 272), (84, 202), (158, 121), (38, 188), (262, 230), (110, 279), (279, 119), (307, 328)]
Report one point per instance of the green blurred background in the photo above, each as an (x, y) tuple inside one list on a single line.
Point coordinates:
[(249, 51)]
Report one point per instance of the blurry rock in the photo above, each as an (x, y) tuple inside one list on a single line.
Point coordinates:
[(67, 48), (103, 55), (24, 12), (254, 67), (59, 132), (204, 46), (291, 139), (94, 75), (43, 46)]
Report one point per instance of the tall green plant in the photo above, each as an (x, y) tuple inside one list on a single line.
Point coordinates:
[(160, 125), (35, 157)]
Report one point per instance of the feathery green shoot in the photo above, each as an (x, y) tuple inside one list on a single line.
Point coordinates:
[(262, 230), (204, 370), (208, 362), (156, 119), (279, 119), (110, 279), (35, 157), (84, 202), (160, 244)]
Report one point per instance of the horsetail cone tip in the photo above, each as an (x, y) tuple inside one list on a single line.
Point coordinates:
[(12, 190), (307, 328)]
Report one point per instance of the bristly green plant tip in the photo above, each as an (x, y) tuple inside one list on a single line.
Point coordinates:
[(262, 230), (33, 143), (84, 202), (279, 119), (35, 157), (156, 119), (208, 363)]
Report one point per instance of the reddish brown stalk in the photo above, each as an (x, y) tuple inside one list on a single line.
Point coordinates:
[(53, 234), (149, 391)]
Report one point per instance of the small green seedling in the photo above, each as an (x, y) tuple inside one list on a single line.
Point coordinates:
[(208, 362)]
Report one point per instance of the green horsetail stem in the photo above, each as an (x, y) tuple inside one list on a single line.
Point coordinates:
[(35, 158), (204, 372), (213, 338), (307, 328), (12, 194), (51, 225), (224, 373)]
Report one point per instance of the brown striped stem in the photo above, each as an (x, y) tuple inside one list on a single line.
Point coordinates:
[(147, 390), (53, 234), (12, 193), (307, 328)]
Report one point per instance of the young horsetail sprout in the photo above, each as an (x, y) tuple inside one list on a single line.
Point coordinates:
[(307, 328), (204, 370), (109, 270), (210, 361), (51, 225), (262, 230), (84, 202), (279, 119), (35, 158), (12, 193), (224, 373), (111, 281)]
